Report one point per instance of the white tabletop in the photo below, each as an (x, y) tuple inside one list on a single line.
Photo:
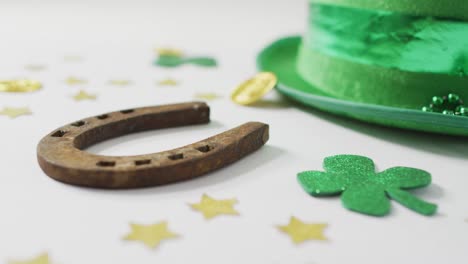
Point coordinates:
[(116, 40)]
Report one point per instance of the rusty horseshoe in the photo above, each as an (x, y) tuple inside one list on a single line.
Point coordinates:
[(62, 157)]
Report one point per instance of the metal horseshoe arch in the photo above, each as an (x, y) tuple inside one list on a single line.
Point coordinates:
[(61, 155)]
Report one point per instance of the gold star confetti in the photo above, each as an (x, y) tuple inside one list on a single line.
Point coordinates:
[(169, 52), (207, 96), (20, 86), (82, 95), (15, 112), (150, 235), (300, 231), (75, 81), (210, 207), (35, 67), (168, 82), (120, 82), (41, 259)]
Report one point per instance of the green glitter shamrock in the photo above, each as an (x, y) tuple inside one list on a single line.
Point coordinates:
[(362, 189)]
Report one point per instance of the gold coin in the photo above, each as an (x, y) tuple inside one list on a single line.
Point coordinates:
[(254, 89), (20, 86)]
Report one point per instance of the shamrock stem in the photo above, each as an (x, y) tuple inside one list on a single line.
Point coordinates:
[(412, 202), (202, 61)]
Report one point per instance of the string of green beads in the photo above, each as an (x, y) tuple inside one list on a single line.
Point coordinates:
[(450, 104)]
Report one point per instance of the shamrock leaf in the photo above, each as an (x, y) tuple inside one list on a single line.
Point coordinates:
[(362, 189), (169, 61)]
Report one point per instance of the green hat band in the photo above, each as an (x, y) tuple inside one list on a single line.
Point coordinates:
[(384, 57)]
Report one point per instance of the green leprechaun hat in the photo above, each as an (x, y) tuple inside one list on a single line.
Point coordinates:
[(400, 63)]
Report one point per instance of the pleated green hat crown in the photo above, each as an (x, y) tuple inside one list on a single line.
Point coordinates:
[(450, 9), (398, 53)]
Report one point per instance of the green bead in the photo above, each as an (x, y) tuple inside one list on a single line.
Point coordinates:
[(437, 100), (453, 98), (448, 112), (426, 109), (461, 110)]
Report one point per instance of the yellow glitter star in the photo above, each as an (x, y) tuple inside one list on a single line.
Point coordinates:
[(210, 207), (41, 259), (75, 81), (207, 96), (169, 52), (120, 82), (15, 112), (20, 86), (35, 67), (300, 231), (82, 95), (168, 82), (150, 235)]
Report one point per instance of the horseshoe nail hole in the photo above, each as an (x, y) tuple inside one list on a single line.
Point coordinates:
[(106, 163), (78, 124), (204, 149), (58, 133), (176, 156), (102, 117), (128, 111), (142, 162)]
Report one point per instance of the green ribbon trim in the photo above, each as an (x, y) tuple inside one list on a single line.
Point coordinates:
[(391, 40), (365, 83), (453, 9)]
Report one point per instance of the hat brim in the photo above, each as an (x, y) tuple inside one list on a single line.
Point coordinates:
[(280, 58)]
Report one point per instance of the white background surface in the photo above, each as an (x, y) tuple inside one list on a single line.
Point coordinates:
[(116, 40)]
